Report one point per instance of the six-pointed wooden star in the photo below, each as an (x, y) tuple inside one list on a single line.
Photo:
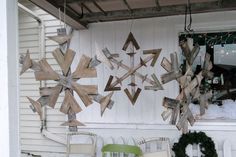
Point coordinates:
[(67, 81), (132, 70), (189, 86)]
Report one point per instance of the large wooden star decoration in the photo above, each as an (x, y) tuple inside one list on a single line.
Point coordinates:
[(178, 109), (132, 70), (67, 81)]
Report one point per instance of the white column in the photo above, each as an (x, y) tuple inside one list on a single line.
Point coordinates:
[(9, 104)]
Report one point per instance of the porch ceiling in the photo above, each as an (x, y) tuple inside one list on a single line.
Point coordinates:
[(79, 13)]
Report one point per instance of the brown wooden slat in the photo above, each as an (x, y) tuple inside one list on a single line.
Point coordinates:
[(83, 70), (46, 73), (64, 60), (133, 98)]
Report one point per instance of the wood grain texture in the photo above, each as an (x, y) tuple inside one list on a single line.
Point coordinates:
[(72, 123), (52, 93), (165, 63), (37, 107), (83, 70), (101, 56), (104, 102), (82, 94), (26, 63), (60, 39), (90, 89), (136, 73), (130, 40), (109, 87), (46, 72), (64, 60), (185, 117), (156, 86), (131, 71), (173, 72), (155, 52), (133, 98), (69, 102)]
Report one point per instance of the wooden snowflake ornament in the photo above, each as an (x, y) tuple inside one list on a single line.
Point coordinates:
[(67, 82), (178, 109), (132, 70)]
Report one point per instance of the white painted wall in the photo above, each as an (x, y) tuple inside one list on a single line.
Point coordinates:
[(141, 120), (144, 119), (150, 33)]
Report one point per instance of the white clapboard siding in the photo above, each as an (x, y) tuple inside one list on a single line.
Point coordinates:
[(29, 39)]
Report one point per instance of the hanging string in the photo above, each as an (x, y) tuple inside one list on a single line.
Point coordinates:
[(131, 25), (59, 12), (132, 21), (82, 12), (188, 11), (64, 14)]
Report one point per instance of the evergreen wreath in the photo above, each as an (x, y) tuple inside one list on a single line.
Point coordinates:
[(207, 146)]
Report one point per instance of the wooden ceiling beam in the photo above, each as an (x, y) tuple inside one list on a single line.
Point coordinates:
[(71, 19), (158, 5), (165, 11), (220, 3), (127, 5), (80, 1), (86, 7), (100, 8)]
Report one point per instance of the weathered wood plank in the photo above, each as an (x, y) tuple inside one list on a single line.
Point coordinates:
[(82, 94), (165, 63), (204, 98), (52, 93), (83, 70), (104, 57), (27, 63), (130, 40), (36, 107), (109, 87), (72, 123), (133, 98), (69, 102), (157, 85), (104, 102), (90, 89), (155, 52), (122, 65), (46, 72), (64, 60), (60, 39)]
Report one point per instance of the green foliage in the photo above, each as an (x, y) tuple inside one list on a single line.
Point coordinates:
[(207, 146)]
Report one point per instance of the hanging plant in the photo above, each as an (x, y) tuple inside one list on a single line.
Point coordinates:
[(206, 144)]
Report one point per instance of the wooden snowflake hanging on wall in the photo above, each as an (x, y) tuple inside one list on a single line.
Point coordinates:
[(132, 69), (190, 83), (67, 82)]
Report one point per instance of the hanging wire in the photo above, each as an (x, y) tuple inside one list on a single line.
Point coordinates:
[(132, 22), (188, 12), (59, 12), (131, 25), (82, 12), (64, 14)]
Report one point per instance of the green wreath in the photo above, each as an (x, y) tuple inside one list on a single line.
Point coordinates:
[(207, 146)]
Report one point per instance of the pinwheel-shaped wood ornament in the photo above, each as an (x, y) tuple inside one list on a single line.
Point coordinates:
[(67, 82), (132, 70), (178, 109)]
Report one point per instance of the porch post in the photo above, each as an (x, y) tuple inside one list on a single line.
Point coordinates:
[(9, 99)]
